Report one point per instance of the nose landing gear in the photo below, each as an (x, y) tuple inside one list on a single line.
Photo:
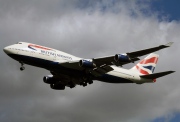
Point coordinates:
[(22, 66)]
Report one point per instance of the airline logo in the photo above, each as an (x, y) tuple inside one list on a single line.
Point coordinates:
[(48, 51), (147, 66), (33, 47)]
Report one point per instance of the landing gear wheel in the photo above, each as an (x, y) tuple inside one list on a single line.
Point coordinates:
[(90, 81), (84, 84), (22, 68), (72, 86)]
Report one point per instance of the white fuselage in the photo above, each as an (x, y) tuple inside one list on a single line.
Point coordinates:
[(33, 54)]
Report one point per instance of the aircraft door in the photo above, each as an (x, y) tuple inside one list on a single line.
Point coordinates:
[(20, 51), (54, 56), (32, 53)]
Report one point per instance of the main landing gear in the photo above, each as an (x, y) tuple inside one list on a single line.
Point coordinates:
[(22, 66), (84, 83)]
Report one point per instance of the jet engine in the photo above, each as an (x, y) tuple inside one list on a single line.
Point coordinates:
[(50, 79), (57, 86), (86, 63), (122, 58)]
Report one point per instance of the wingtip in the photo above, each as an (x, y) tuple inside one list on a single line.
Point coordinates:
[(172, 71), (169, 44), (169, 72)]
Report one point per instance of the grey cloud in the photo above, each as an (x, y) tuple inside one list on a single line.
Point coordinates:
[(85, 33)]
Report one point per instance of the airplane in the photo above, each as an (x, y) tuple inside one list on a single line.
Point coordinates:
[(68, 70)]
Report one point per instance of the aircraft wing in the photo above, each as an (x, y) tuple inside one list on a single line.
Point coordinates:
[(109, 60), (149, 50), (97, 71), (102, 64)]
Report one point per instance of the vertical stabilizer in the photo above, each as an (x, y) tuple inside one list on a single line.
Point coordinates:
[(147, 65)]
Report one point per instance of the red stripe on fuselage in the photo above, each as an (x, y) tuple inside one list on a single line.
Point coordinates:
[(40, 47)]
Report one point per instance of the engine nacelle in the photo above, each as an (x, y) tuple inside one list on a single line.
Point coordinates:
[(121, 58), (57, 86), (86, 63), (50, 79)]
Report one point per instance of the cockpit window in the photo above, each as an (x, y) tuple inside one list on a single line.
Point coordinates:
[(18, 43)]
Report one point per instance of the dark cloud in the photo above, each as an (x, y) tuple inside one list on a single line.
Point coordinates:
[(86, 29)]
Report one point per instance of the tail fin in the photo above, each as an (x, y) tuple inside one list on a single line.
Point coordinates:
[(147, 65)]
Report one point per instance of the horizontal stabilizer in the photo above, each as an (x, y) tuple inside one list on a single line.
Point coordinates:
[(169, 44), (156, 75)]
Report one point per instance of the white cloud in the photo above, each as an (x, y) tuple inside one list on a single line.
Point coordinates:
[(87, 32)]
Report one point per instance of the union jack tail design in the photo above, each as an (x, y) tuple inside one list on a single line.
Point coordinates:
[(147, 65)]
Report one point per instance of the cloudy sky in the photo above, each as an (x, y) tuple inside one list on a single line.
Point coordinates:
[(89, 28)]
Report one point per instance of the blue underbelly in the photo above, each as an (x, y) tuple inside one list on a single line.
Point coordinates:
[(112, 79)]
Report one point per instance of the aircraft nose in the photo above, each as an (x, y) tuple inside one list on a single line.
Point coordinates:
[(6, 50)]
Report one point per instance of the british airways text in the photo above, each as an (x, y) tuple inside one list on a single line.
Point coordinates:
[(54, 54)]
